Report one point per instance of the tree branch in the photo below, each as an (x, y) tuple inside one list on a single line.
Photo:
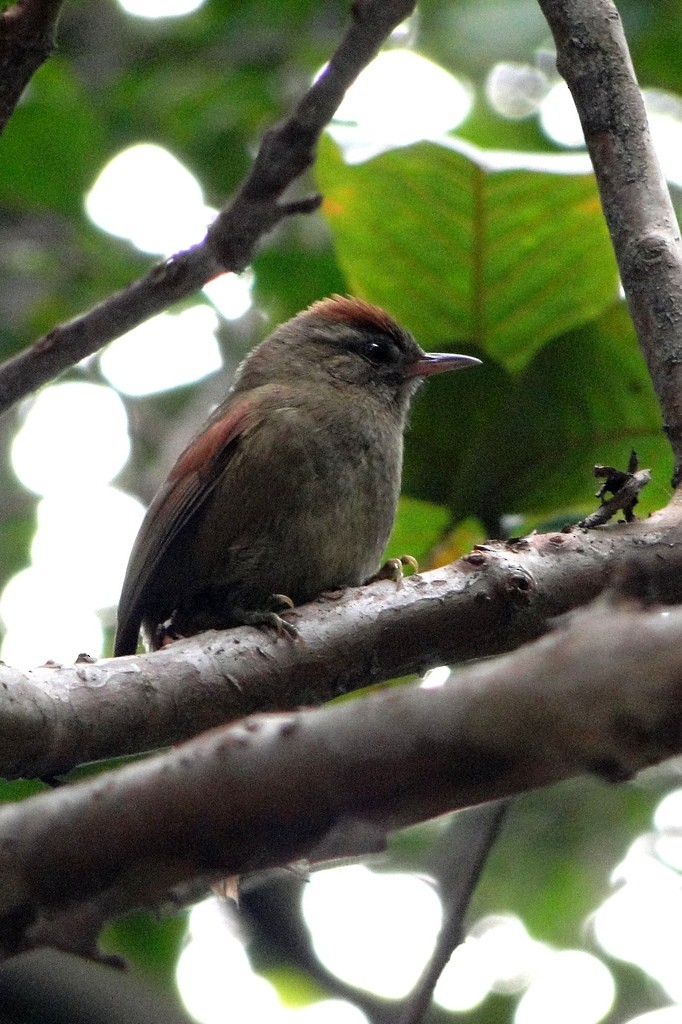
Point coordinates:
[(286, 151), (27, 39), (53, 718), (602, 693), (463, 852), (593, 57)]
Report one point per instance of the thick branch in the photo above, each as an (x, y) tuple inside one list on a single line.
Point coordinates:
[(602, 693), (287, 150), (27, 38), (491, 601), (593, 57)]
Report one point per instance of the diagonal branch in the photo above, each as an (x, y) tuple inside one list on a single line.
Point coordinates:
[(27, 39), (490, 601), (602, 693), (593, 57), (286, 151)]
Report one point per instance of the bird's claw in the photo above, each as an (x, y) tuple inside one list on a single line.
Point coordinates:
[(269, 616), (392, 569)]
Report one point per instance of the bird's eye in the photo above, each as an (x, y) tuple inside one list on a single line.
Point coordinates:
[(380, 351)]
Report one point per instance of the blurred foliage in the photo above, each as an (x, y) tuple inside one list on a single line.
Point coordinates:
[(150, 945), (514, 266)]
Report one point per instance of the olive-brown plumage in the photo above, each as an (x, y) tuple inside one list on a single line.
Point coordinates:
[(292, 485)]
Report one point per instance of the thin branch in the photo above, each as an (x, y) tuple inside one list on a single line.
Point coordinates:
[(593, 57), (286, 151), (464, 852), (53, 718), (602, 693), (27, 39)]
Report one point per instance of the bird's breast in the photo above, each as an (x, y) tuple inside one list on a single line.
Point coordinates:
[(305, 506)]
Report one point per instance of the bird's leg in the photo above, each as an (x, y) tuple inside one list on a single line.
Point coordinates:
[(269, 616), (392, 569)]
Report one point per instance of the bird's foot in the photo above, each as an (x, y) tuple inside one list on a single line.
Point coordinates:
[(392, 569), (269, 616)]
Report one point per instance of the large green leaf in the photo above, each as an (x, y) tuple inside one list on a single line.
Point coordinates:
[(505, 260), (486, 442)]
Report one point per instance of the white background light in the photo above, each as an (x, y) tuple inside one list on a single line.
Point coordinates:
[(641, 922), (169, 350), (665, 120), (146, 195), (44, 620), (559, 117), (86, 542), (231, 294), (572, 988), (373, 930), (217, 984), (426, 103), (516, 90), (160, 8), (75, 435), (74, 440)]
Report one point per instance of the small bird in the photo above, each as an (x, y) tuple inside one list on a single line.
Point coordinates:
[(291, 487)]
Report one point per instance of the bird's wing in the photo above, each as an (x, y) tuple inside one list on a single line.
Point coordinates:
[(189, 483)]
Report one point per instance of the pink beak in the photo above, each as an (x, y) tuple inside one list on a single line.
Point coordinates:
[(439, 362)]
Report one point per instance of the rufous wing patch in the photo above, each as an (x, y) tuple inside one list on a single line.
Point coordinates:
[(199, 455)]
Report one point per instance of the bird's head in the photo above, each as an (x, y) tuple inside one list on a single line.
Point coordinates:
[(351, 344)]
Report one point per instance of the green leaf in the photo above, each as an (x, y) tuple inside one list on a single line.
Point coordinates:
[(486, 442), (150, 944), (505, 260), (418, 527), (52, 147), (16, 536)]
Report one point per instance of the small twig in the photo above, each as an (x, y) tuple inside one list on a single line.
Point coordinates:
[(625, 488), (593, 57), (286, 151)]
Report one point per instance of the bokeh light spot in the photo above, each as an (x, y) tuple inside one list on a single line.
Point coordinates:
[(86, 541), (231, 294), (393, 918), (516, 90), (213, 972), (559, 118), (573, 987), (160, 8), (641, 922), (44, 619), (74, 435), (426, 103), (146, 195), (665, 120), (165, 352)]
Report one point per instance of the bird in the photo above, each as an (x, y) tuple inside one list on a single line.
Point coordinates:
[(291, 487)]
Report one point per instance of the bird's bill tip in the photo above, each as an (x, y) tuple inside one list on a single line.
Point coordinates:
[(438, 362)]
